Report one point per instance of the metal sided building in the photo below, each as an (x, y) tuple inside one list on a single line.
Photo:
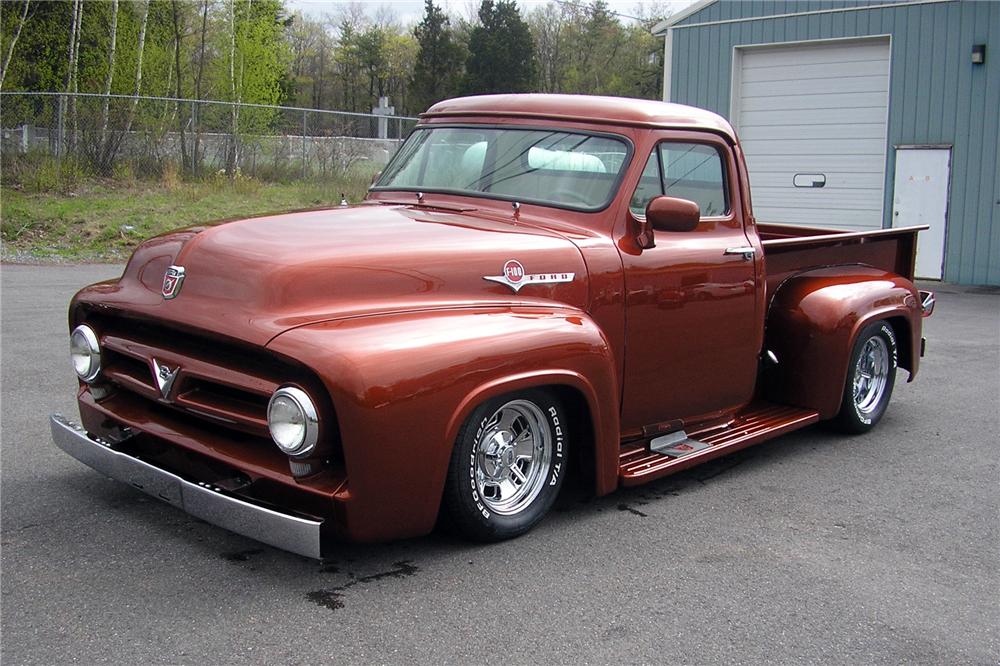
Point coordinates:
[(858, 114)]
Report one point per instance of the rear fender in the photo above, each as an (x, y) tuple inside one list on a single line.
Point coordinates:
[(403, 384), (813, 321)]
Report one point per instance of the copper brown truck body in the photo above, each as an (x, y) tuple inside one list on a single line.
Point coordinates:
[(380, 311)]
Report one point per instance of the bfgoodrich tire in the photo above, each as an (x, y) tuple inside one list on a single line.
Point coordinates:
[(870, 378), (507, 466)]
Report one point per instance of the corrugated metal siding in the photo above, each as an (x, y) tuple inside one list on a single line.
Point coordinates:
[(937, 96), (726, 10)]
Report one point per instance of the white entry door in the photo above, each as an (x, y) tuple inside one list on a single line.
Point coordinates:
[(920, 196)]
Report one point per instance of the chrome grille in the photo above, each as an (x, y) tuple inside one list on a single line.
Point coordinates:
[(219, 381)]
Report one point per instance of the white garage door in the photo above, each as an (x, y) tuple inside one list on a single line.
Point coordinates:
[(812, 119)]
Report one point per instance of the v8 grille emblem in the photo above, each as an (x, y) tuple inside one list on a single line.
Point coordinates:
[(164, 377)]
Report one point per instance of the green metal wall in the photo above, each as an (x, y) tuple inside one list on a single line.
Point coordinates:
[(936, 94)]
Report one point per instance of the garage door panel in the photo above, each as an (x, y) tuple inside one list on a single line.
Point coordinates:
[(784, 178), (830, 87), (817, 53), (818, 110), (816, 131), (854, 220), (815, 146), (795, 102), (786, 116), (823, 197), (824, 70), (871, 164)]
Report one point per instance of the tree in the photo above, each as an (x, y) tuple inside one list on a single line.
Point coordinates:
[(587, 49), (111, 144), (500, 51), (401, 51), (195, 152), (178, 34), (595, 68), (347, 61), (644, 75), (13, 41), (311, 47), (233, 159), (109, 77), (438, 69), (371, 53), (258, 58), (548, 26), (76, 23)]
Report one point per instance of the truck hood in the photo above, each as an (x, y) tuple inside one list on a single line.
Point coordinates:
[(254, 278)]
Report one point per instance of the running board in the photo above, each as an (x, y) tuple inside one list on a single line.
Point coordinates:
[(677, 451)]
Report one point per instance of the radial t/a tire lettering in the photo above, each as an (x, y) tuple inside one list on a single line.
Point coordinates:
[(507, 466), (871, 374)]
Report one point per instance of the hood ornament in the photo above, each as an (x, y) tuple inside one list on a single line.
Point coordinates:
[(164, 377), (515, 277), (172, 281)]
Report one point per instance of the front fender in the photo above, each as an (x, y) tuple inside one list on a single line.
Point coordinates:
[(814, 320), (402, 385)]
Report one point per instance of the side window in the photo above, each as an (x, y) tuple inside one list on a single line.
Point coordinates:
[(691, 171), (650, 185)]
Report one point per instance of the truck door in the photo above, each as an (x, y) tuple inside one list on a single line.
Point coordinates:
[(691, 323)]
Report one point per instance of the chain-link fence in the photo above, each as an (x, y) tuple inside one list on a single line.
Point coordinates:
[(107, 132)]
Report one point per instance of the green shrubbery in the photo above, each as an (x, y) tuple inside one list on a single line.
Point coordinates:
[(39, 172), (57, 208)]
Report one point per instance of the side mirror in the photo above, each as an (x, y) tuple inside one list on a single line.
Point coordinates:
[(670, 214), (375, 177)]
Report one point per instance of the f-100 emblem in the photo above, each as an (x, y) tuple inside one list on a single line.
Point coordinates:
[(515, 277), (172, 281)]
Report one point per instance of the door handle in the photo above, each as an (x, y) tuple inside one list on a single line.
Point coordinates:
[(746, 251)]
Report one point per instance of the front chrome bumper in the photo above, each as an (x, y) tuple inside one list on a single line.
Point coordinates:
[(291, 533)]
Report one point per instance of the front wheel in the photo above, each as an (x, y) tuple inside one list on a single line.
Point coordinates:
[(507, 466), (870, 378)]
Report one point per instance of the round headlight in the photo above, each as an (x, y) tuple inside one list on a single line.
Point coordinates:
[(293, 421), (85, 351)]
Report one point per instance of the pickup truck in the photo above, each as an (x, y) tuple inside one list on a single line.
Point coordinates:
[(534, 284)]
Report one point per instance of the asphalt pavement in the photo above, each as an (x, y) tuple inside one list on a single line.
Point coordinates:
[(813, 548)]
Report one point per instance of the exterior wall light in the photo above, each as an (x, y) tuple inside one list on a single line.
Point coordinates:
[(978, 54)]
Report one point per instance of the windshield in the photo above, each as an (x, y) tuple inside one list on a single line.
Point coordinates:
[(562, 169)]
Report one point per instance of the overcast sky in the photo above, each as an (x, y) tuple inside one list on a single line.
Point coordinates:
[(410, 11)]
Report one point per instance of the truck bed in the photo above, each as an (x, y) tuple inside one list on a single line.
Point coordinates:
[(791, 249)]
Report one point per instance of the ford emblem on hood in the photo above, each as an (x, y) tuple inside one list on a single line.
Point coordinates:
[(172, 281)]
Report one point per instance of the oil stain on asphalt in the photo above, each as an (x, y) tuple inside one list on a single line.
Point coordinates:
[(632, 510), (242, 555), (332, 598)]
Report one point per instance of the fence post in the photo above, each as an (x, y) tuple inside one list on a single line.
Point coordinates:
[(304, 144), (194, 141), (60, 127)]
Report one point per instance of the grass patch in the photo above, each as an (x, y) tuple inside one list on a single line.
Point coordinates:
[(104, 219)]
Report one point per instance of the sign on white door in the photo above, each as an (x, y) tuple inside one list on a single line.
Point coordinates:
[(920, 196)]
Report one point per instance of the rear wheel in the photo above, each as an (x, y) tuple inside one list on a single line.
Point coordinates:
[(507, 466), (870, 379)]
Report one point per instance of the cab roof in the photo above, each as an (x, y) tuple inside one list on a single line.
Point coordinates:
[(585, 108)]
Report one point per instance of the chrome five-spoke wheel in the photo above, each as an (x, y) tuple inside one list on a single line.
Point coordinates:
[(870, 374), (507, 466), (513, 455), (870, 377)]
